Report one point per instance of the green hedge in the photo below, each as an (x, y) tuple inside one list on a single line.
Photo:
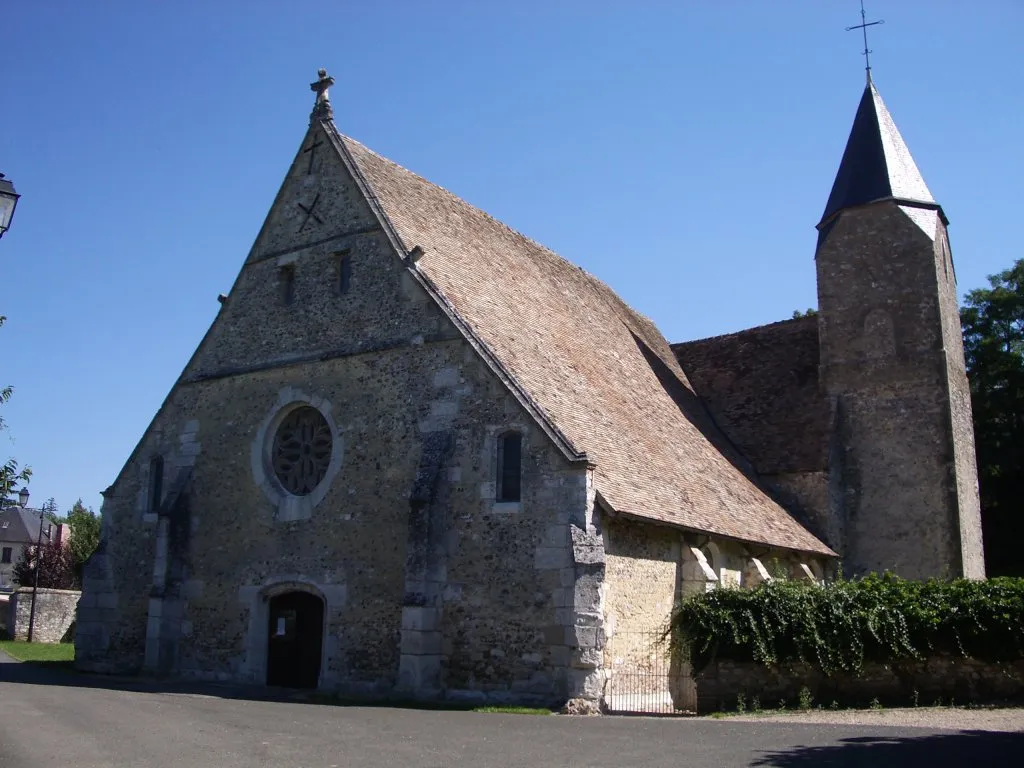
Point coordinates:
[(839, 626)]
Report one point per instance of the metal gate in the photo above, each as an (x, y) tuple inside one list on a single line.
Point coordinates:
[(643, 678)]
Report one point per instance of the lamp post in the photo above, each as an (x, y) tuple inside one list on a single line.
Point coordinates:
[(23, 498), (8, 202)]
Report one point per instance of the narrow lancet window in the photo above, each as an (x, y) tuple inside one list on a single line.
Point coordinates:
[(286, 279), (156, 482), (344, 272), (509, 466)]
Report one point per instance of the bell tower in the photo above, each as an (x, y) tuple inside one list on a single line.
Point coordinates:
[(903, 479)]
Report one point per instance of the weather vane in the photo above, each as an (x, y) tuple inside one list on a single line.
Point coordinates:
[(863, 27)]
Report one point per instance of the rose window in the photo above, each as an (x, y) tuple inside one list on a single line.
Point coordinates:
[(302, 450)]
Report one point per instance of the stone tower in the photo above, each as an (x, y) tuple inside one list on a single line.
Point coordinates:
[(902, 475)]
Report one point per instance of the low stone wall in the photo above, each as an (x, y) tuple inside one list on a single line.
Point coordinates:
[(55, 613), (942, 679)]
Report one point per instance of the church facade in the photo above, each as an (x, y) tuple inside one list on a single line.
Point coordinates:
[(417, 453)]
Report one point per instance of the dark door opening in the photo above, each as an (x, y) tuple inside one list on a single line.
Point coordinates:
[(295, 640)]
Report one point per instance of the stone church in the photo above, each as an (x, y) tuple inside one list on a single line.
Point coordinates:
[(418, 453)]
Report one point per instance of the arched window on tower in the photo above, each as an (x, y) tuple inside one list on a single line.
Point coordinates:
[(156, 482), (510, 451)]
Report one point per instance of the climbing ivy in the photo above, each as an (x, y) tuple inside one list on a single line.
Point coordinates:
[(839, 626)]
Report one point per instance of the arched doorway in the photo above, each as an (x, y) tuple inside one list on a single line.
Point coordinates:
[(295, 640)]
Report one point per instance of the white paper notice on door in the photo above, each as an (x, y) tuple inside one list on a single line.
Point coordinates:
[(279, 632)]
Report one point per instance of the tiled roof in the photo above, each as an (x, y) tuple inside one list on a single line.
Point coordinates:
[(599, 372), (876, 163), (761, 386), (22, 524)]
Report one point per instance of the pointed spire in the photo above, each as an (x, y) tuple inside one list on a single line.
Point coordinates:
[(322, 109), (876, 164)]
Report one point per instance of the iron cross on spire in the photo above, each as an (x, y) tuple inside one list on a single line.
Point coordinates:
[(322, 107), (863, 27)]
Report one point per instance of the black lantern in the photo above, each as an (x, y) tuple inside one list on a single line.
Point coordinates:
[(23, 497), (8, 202)]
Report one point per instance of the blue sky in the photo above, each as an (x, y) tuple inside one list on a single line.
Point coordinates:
[(681, 151)]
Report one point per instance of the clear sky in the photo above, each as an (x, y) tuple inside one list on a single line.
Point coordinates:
[(681, 151)]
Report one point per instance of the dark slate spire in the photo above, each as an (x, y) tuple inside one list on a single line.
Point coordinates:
[(876, 164)]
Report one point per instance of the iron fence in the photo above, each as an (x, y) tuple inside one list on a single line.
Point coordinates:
[(643, 678)]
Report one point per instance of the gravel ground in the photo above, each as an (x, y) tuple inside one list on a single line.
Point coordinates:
[(952, 718)]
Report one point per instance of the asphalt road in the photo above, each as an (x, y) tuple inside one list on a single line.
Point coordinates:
[(53, 718)]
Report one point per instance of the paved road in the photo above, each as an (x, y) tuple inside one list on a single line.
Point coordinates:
[(52, 718)]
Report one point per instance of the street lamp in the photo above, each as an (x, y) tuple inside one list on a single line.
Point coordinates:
[(8, 202), (23, 498)]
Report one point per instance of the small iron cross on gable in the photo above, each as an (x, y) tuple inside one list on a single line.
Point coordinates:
[(311, 151), (310, 212)]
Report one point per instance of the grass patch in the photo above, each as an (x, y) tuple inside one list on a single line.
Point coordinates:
[(340, 700), (513, 710), (46, 653)]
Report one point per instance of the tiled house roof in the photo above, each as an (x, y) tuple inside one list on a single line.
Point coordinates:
[(22, 525), (761, 386), (600, 373)]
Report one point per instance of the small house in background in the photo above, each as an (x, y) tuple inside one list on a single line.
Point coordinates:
[(19, 528)]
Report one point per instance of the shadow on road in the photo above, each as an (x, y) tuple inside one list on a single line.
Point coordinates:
[(958, 748), (63, 673)]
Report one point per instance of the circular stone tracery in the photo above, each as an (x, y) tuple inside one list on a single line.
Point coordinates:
[(302, 450)]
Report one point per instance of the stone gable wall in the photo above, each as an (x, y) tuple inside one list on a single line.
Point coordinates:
[(431, 586), (761, 386)]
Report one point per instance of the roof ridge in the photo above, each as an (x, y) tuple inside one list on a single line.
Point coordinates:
[(512, 230), (602, 295), (465, 202), (774, 324)]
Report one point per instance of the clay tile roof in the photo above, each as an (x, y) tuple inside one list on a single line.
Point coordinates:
[(876, 163), (598, 371)]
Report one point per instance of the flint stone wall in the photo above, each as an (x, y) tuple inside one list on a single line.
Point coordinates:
[(55, 613), (940, 679)]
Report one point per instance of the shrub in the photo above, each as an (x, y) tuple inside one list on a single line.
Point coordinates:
[(58, 567), (806, 701), (839, 626)]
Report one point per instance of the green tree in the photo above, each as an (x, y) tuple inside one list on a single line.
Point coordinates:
[(10, 475), (85, 533), (993, 328)]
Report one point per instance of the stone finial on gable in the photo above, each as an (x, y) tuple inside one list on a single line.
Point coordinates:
[(322, 109)]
